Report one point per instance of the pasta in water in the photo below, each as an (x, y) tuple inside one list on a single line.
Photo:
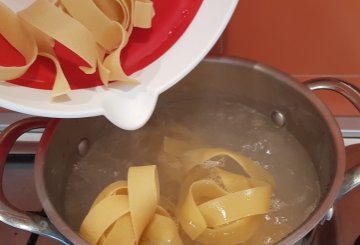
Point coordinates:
[(128, 212), (89, 28), (218, 207)]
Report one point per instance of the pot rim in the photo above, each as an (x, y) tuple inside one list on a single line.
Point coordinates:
[(314, 219)]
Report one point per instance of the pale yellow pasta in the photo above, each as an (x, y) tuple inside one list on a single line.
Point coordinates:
[(220, 207), (227, 208), (112, 64), (56, 24), (106, 32), (209, 210), (61, 85), (142, 180), (116, 188), (102, 216), (119, 11), (97, 31), (145, 7), (16, 34), (128, 213), (162, 230)]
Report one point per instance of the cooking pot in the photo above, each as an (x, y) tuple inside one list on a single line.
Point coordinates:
[(289, 103)]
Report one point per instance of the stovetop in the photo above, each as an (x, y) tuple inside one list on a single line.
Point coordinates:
[(19, 188)]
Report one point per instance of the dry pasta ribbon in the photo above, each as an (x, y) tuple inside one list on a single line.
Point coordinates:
[(145, 7), (56, 24), (96, 31), (61, 85), (27, 42), (106, 32), (19, 37)]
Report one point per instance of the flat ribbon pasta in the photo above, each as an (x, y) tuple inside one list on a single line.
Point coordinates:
[(16, 34), (21, 38), (226, 208), (128, 212), (97, 31), (53, 22), (218, 207), (106, 32), (61, 85), (145, 7)]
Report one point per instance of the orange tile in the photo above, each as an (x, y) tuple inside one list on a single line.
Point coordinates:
[(303, 38)]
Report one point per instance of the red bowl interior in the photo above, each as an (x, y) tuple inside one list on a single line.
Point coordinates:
[(145, 46)]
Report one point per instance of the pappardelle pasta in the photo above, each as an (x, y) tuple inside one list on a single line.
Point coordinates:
[(95, 30), (214, 207)]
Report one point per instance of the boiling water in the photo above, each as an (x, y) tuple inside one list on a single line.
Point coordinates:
[(218, 124)]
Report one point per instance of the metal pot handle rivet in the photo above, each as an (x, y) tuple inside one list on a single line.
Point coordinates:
[(8, 213), (278, 118)]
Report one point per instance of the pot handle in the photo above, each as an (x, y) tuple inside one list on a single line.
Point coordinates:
[(351, 181), (352, 93), (342, 87), (8, 213)]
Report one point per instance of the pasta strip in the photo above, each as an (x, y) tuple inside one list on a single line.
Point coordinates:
[(61, 85), (121, 231), (44, 43), (169, 231), (237, 232), (106, 32), (228, 207), (219, 208), (144, 12), (15, 33), (116, 188), (249, 202), (47, 18), (118, 11), (102, 216), (128, 213), (112, 65), (140, 181), (95, 30), (190, 217)]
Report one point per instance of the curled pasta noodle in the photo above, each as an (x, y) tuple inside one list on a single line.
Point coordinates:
[(97, 31), (226, 208), (219, 207), (129, 212)]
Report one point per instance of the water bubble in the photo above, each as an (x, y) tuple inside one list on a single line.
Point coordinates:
[(185, 13)]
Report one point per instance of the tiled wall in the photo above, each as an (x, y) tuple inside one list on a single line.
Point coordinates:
[(305, 38)]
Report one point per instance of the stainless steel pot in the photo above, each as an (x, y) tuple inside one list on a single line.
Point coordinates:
[(271, 92)]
